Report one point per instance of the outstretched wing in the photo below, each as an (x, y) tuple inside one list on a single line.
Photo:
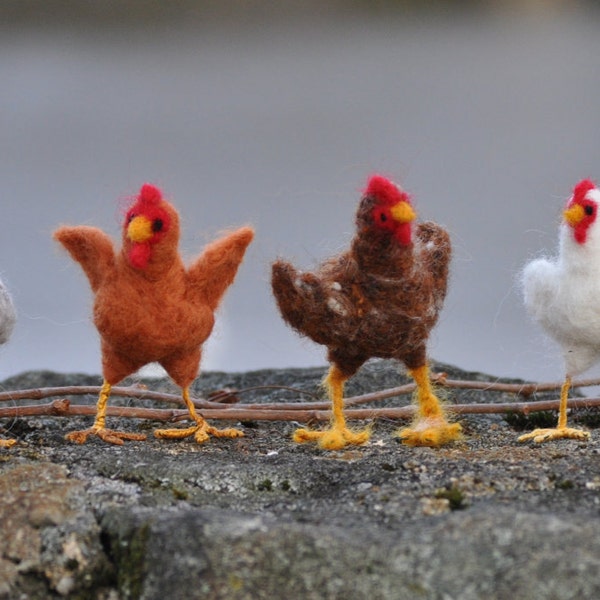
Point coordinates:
[(91, 248), (214, 270)]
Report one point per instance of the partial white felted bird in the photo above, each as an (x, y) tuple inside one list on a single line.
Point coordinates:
[(7, 323), (563, 295)]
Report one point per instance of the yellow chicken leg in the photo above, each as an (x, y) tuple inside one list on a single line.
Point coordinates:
[(430, 427), (7, 443), (561, 431), (201, 430), (99, 427), (338, 435)]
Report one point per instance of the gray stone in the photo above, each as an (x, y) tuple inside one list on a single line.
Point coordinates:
[(261, 517)]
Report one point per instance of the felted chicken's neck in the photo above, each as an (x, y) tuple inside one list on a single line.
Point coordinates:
[(381, 254), (576, 257), (151, 261)]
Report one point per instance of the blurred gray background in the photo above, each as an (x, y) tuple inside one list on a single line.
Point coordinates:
[(274, 114)]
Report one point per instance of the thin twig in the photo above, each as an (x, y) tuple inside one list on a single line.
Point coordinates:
[(82, 390), (63, 408), (137, 392)]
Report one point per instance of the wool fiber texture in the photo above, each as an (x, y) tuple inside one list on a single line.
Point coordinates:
[(148, 306), (378, 299), (8, 315), (562, 292)]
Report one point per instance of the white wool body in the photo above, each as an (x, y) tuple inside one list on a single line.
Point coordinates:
[(7, 314), (563, 295)]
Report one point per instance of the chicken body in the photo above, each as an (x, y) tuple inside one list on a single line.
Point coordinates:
[(163, 320), (379, 299), (148, 307), (7, 323), (562, 295)]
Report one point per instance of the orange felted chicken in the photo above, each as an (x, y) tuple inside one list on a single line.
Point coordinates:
[(378, 299), (148, 307)]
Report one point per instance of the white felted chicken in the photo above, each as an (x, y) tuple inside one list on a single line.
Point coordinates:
[(563, 295), (7, 322)]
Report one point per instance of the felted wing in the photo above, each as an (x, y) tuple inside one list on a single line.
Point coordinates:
[(91, 248), (540, 284), (215, 269)]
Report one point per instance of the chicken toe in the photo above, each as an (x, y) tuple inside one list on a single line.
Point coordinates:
[(334, 438), (430, 432), (431, 427), (110, 436), (99, 429), (201, 430), (561, 431), (338, 435), (545, 435)]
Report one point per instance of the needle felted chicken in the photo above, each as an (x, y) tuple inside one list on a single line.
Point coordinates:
[(148, 307), (563, 293), (378, 299), (7, 323)]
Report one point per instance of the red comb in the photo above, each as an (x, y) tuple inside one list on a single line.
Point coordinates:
[(150, 194), (582, 188), (384, 190)]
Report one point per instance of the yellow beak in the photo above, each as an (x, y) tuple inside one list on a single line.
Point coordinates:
[(574, 215), (139, 229), (403, 212)]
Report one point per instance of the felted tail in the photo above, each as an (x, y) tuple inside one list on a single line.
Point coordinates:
[(299, 296)]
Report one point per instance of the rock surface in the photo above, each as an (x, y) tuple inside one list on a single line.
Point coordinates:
[(260, 517)]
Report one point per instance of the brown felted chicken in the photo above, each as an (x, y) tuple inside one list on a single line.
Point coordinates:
[(379, 299), (148, 307)]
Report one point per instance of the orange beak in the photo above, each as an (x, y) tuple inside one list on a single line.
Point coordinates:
[(403, 212), (139, 229), (574, 214)]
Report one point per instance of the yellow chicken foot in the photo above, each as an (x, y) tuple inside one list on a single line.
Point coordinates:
[(201, 431), (7, 443), (338, 435), (430, 427), (99, 428), (561, 431)]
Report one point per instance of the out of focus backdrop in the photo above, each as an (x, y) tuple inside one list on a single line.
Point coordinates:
[(274, 114)]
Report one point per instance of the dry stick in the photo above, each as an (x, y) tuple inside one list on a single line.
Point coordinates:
[(523, 389), (65, 409), (141, 393), (81, 390)]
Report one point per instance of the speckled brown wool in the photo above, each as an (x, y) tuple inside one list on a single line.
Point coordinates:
[(380, 298)]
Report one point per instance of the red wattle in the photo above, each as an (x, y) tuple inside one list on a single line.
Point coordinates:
[(139, 255), (403, 234)]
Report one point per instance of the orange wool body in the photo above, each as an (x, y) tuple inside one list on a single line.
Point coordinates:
[(148, 307)]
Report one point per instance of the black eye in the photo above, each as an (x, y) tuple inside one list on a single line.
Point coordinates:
[(157, 225), (383, 217), (589, 210)]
